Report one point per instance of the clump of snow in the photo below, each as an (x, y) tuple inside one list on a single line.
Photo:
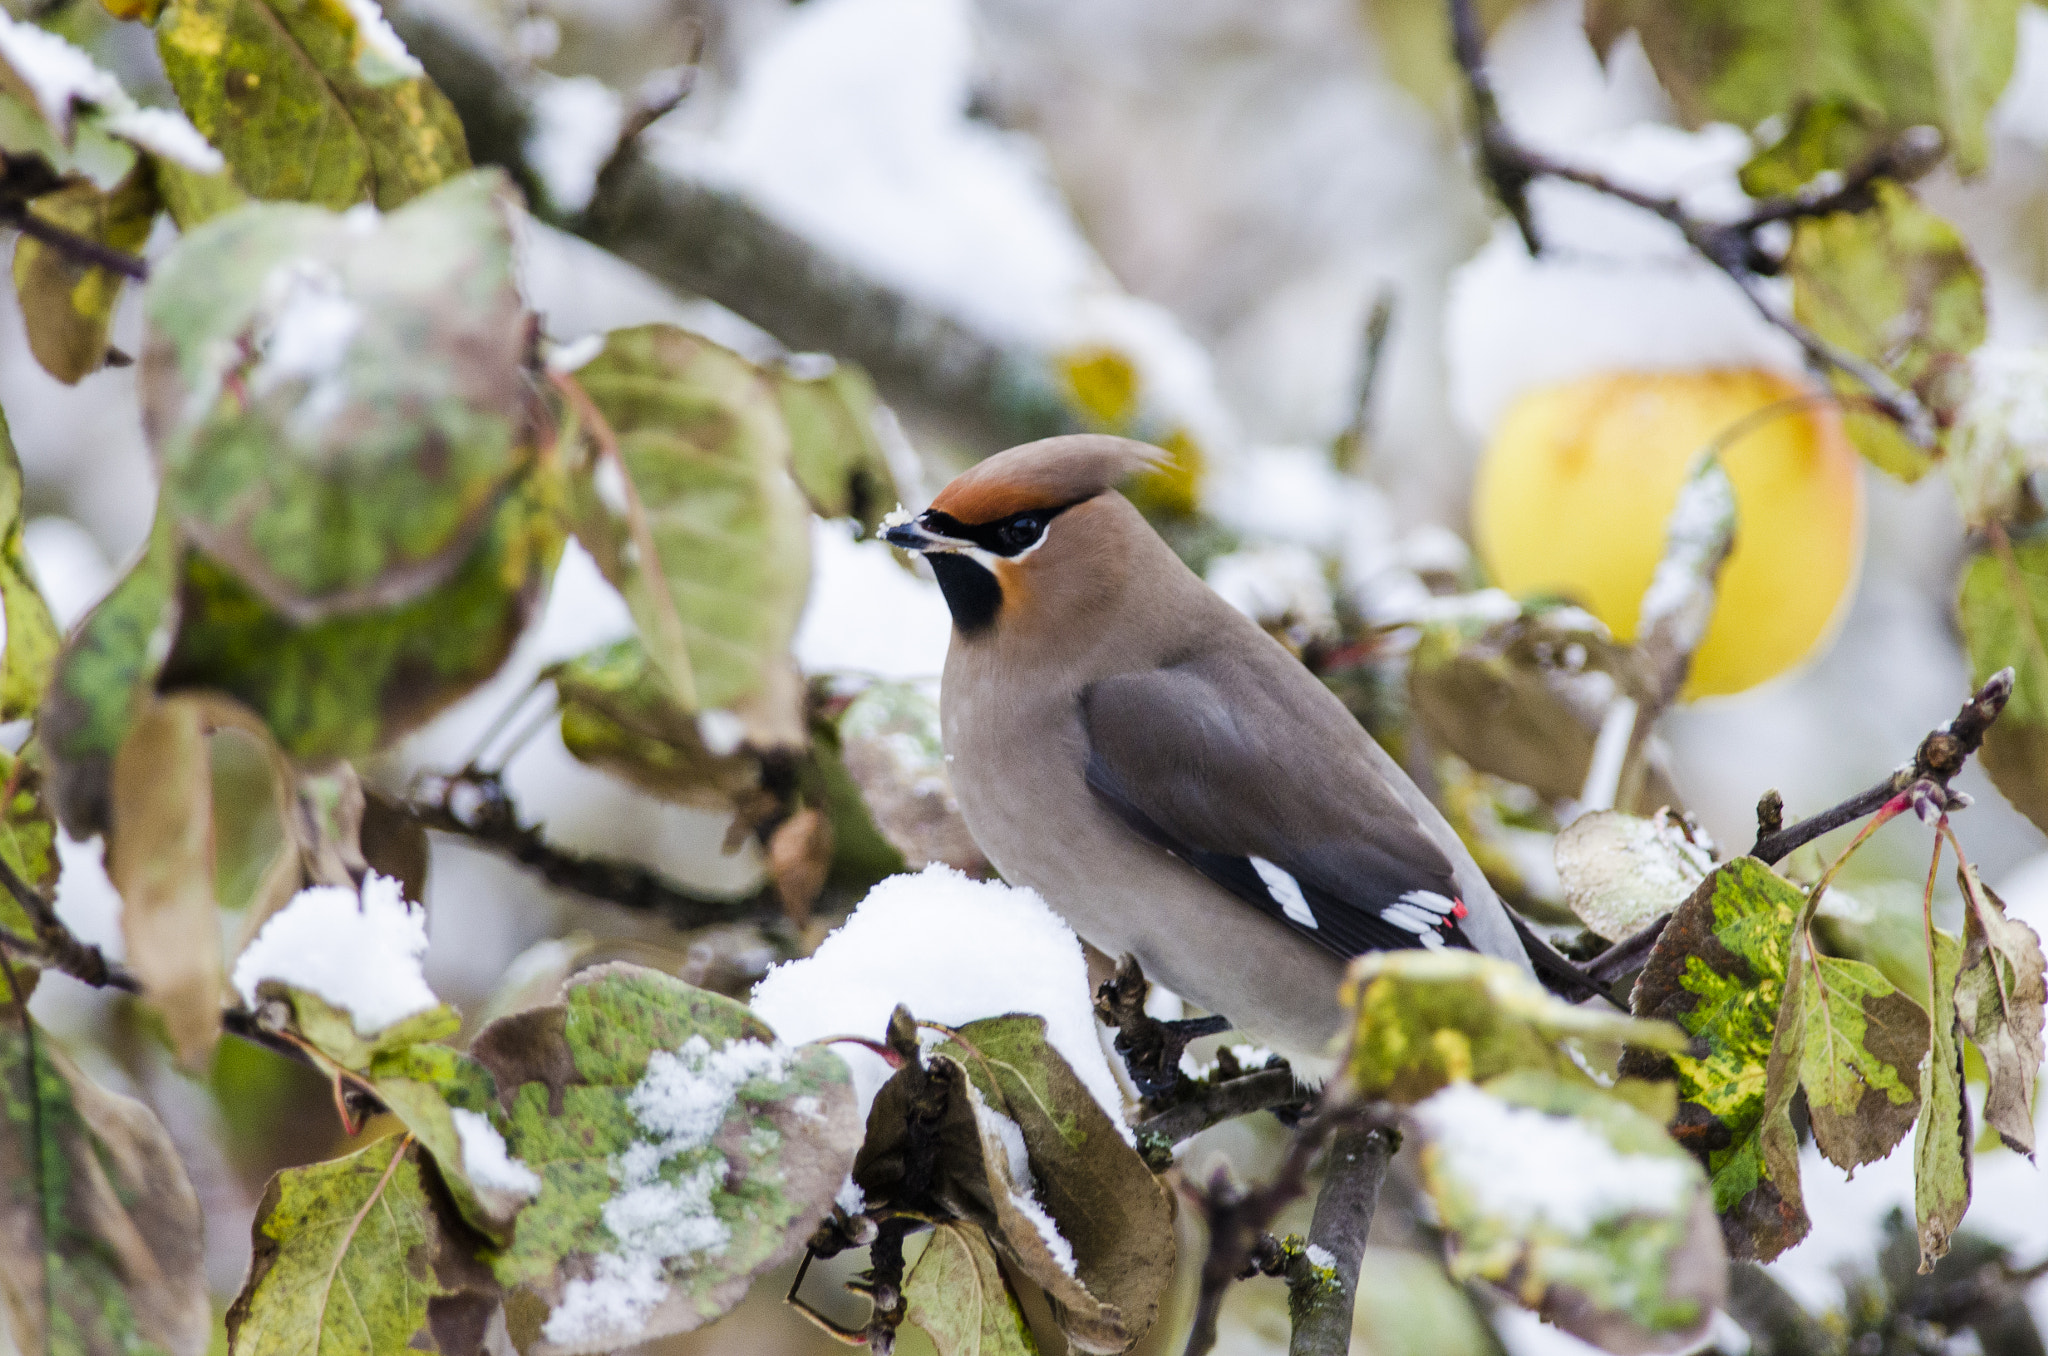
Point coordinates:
[(1696, 537), (2001, 433), (485, 1158), (658, 1222), (1531, 1169), (1617, 288), (360, 952), (1318, 1255), (309, 323), (1274, 584), (575, 129), (866, 613), (1016, 1167), (851, 1198), (62, 79), (951, 949), (381, 57)]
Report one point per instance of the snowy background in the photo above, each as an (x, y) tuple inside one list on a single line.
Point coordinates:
[(1221, 189)]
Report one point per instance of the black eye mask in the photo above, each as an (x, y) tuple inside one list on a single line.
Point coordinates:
[(1003, 537)]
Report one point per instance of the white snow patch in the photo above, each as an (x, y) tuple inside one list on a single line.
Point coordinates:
[(867, 614), (575, 129), (1529, 1168), (1274, 584), (1617, 289), (722, 732), (381, 57), (87, 902), (1681, 590), (359, 952), (310, 324), (1017, 1168), (851, 1198), (681, 1101), (1319, 1256), (61, 78), (485, 1158), (69, 566), (952, 949)]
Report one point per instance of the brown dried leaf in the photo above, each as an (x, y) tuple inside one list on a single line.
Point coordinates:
[(1999, 998)]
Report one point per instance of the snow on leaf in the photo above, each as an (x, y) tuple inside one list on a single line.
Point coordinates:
[(1719, 972), (1578, 1205), (1942, 1138), (347, 114), (447, 1100), (957, 1293), (100, 1232), (1621, 871), (79, 104), (339, 402), (681, 1151), (707, 454), (346, 1258), (1425, 1019), (1999, 998)]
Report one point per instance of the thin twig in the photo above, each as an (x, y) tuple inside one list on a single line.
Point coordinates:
[(80, 249), (1203, 1103), (1730, 246), (492, 822)]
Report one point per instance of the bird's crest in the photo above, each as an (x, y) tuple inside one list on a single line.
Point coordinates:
[(1051, 473)]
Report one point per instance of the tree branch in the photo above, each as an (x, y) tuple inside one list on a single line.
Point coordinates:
[(1730, 246), (1352, 1172), (491, 821), (711, 242)]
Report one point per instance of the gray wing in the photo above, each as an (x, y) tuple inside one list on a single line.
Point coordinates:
[(1295, 820)]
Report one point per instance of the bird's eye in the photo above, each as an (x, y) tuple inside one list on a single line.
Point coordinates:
[(1019, 533)]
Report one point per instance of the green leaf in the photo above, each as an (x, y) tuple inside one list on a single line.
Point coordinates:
[(346, 1258), (1114, 1214), (352, 684), (1425, 1019), (681, 1153), (1746, 61), (101, 1249), (331, 1031), (1941, 1139), (1620, 871), (836, 449), (619, 713), (706, 458), (160, 859), (28, 836), (303, 107), (68, 306), (2000, 993), (109, 663), (957, 1293), (426, 1086), (1827, 134), (1895, 285), (891, 747), (2003, 608), (1859, 1059), (32, 637), (1619, 1247), (341, 403), (1719, 972)]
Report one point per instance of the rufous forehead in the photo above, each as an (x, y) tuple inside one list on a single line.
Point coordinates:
[(974, 499)]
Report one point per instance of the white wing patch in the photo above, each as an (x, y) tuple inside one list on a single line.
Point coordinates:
[(1431, 900), (1286, 892)]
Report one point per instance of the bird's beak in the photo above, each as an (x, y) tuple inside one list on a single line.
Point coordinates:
[(910, 533)]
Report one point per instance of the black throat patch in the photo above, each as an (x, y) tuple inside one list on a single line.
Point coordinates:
[(972, 594)]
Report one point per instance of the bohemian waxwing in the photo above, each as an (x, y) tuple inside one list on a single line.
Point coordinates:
[(1168, 777)]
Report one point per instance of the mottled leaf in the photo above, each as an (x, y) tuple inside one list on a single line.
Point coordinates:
[(100, 1233), (1941, 1139), (619, 713), (836, 446), (706, 463), (108, 664), (66, 305), (303, 104), (1897, 286), (425, 1085), (354, 683), (160, 858), (681, 1153), (2003, 608), (1824, 135), (1114, 1215), (1719, 972), (1859, 1059), (346, 1254), (31, 635), (340, 403), (890, 744), (1578, 1205), (28, 836), (1424, 1019), (1620, 871), (1745, 61), (957, 1293), (1999, 997)]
